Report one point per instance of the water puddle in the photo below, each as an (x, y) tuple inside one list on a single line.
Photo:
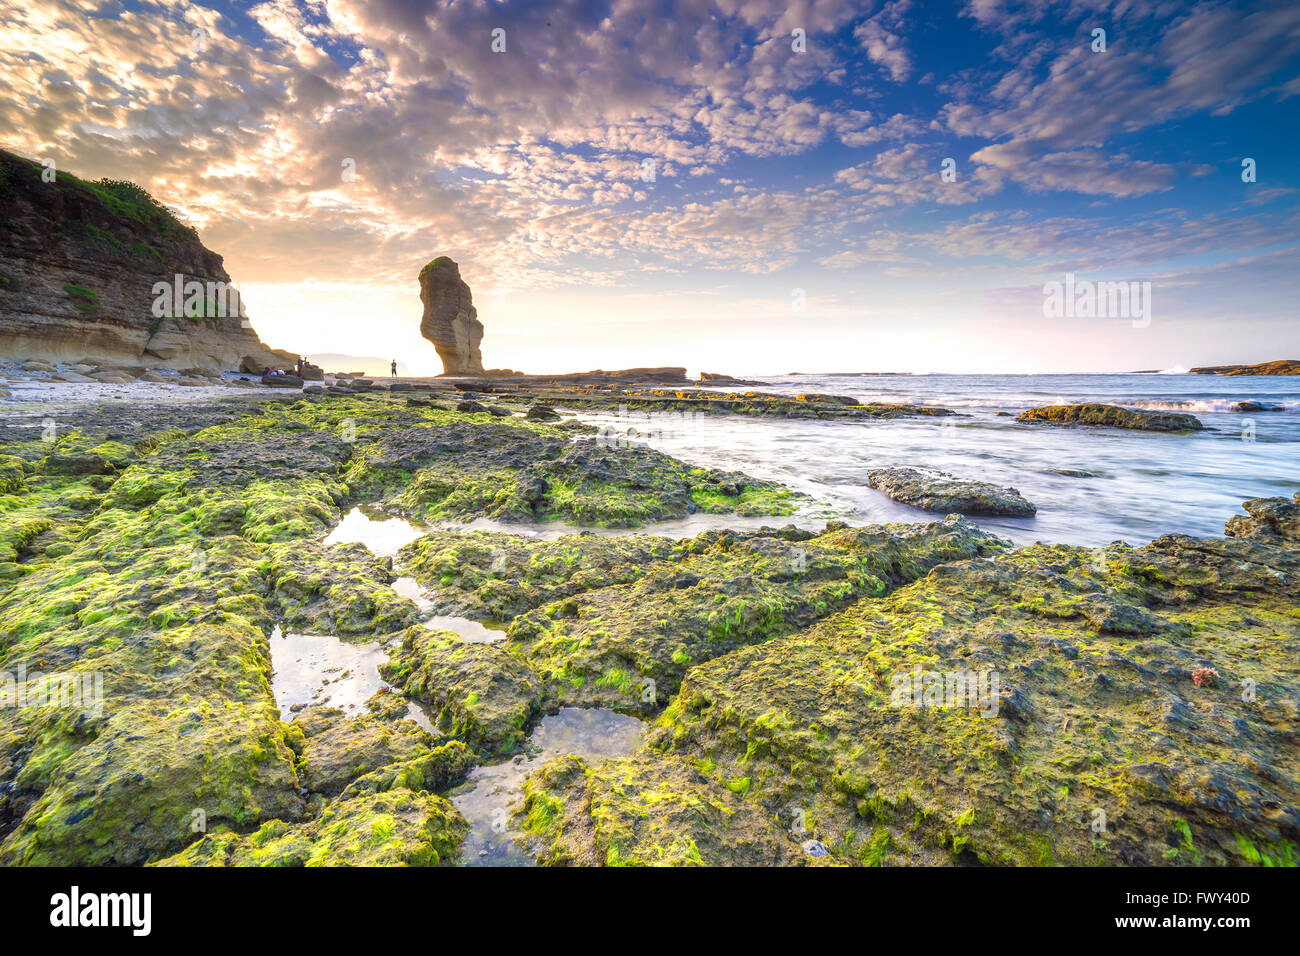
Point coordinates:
[(384, 536), (318, 670), (315, 670), (811, 518), (492, 791), (410, 589), (470, 631)]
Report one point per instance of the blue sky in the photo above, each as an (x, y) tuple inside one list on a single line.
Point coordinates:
[(783, 177)]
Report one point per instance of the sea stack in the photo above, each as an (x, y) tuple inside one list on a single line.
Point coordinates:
[(450, 321)]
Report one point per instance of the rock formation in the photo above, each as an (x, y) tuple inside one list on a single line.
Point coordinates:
[(450, 320), (948, 495), (79, 262), (1112, 416), (1278, 367)]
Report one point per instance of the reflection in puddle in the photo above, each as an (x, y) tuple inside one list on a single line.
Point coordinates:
[(311, 670), (811, 518), (384, 536), (320, 670), (410, 588), (470, 631), (491, 791)]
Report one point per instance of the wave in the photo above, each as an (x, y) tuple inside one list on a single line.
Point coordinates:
[(1208, 406)]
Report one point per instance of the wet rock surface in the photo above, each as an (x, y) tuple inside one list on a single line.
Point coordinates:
[(1275, 520), (1112, 416), (1096, 744), (948, 495)]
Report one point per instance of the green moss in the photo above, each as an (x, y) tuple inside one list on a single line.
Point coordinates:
[(87, 300)]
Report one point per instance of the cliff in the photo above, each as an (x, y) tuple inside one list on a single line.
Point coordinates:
[(81, 268)]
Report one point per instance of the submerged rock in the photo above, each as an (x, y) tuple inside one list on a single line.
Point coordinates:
[(948, 495), (1112, 416), (450, 320)]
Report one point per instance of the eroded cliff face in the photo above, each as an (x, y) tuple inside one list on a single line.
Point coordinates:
[(450, 320), (79, 262)]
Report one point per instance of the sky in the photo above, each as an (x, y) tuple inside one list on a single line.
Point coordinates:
[(741, 187)]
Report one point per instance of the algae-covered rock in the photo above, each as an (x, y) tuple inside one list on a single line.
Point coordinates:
[(948, 495), (438, 769), (526, 471), (134, 789), (628, 644), (335, 590), (1112, 416), (1036, 708), (338, 751), (481, 693), (398, 827), (647, 810), (496, 576), (1275, 520)]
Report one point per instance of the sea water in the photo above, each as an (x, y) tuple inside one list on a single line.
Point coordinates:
[(1091, 485)]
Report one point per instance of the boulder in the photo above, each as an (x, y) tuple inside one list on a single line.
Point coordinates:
[(1274, 520), (470, 407), (450, 320), (282, 381), (947, 495), (112, 377), (542, 413)]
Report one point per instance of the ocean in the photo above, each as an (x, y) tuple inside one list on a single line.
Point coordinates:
[(1092, 486)]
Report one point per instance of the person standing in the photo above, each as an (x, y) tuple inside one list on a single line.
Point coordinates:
[(394, 368)]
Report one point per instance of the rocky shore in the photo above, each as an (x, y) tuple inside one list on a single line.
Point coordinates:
[(797, 685)]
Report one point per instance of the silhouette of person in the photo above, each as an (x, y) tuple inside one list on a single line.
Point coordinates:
[(394, 368)]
